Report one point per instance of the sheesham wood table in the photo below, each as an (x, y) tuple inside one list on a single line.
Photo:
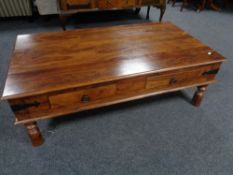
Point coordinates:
[(58, 73)]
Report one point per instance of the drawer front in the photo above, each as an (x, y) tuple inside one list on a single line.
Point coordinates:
[(30, 107), (107, 4), (149, 2), (78, 2), (131, 85), (184, 78), (126, 3), (79, 98)]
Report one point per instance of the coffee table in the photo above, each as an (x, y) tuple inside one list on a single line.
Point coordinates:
[(58, 73)]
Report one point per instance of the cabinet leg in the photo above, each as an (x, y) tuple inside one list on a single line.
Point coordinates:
[(184, 4), (63, 21), (34, 134), (199, 94), (173, 3), (162, 11), (213, 6), (148, 13), (202, 6), (137, 11)]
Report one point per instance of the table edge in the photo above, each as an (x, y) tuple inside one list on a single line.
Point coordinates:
[(30, 94)]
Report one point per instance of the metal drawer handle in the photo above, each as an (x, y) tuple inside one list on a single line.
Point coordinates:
[(85, 99), (173, 81), (210, 72)]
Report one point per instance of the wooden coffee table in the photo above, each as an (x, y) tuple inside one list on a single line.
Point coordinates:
[(58, 73)]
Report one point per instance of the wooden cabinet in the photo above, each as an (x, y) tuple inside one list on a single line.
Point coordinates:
[(76, 6), (109, 3)]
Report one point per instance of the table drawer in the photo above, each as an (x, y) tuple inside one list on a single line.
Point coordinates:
[(27, 107), (83, 97), (182, 78), (131, 85)]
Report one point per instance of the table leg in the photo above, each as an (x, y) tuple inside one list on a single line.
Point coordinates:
[(34, 133), (199, 94)]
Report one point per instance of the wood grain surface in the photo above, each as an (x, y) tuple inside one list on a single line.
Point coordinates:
[(49, 62), (59, 73)]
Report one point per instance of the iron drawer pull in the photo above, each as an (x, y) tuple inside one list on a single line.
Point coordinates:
[(85, 99), (210, 72), (173, 81)]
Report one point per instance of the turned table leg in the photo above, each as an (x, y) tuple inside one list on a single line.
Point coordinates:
[(198, 96), (34, 134)]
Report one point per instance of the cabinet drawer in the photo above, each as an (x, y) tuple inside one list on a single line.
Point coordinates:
[(126, 3), (78, 2), (182, 78), (83, 97), (107, 4), (149, 2)]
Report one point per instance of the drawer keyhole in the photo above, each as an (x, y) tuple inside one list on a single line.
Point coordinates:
[(173, 81), (85, 99)]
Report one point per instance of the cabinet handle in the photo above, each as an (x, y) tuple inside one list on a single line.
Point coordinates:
[(85, 99), (173, 81)]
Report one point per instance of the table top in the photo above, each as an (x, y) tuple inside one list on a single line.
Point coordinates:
[(48, 62)]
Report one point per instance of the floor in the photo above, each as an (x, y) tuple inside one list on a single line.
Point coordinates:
[(162, 135)]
